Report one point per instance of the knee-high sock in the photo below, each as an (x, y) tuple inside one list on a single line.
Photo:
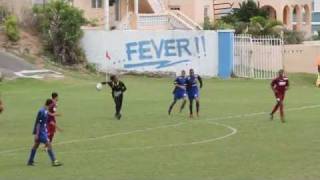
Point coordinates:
[(32, 155), (51, 155), (198, 106), (275, 108), (191, 107)]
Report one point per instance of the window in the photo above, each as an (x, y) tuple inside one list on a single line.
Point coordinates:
[(96, 3), (206, 11), (175, 8)]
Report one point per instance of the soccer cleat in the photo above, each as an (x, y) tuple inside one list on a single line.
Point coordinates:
[(118, 116), (30, 163), (56, 163), (191, 116), (283, 120), (271, 116)]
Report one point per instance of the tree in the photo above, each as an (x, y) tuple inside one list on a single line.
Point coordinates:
[(60, 24), (249, 9)]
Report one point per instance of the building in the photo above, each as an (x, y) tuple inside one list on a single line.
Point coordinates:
[(294, 14), (316, 16), (148, 14), (133, 14)]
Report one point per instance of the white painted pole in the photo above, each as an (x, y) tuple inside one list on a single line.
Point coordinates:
[(136, 7), (106, 15)]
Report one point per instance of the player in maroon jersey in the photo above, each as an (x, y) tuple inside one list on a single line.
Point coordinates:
[(52, 114), (279, 86)]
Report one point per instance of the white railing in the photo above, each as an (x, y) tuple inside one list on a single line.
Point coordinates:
[(157, 6), (258, 58), (187, 20), (167, 20), (149, 21), (125, 22)]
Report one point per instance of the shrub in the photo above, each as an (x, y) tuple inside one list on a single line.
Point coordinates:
[(60, 24), (293, 37), (11, 28)]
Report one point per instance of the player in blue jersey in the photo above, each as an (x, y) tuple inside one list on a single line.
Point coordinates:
[(41, 135), (179, 92), (193, 91)]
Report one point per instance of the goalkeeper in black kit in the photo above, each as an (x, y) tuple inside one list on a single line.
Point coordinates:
[(118, 88)]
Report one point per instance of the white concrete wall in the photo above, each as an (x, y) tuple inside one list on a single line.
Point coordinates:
[(150, 51)]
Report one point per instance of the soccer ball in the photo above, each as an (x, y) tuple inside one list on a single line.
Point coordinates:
[(99, 87)]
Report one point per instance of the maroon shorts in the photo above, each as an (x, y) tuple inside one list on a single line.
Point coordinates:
[(51, 130), (279, 96)]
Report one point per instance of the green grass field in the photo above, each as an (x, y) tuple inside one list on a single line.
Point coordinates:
[(232, 140)]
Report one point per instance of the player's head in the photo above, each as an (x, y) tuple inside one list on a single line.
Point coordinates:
[(48, 103), (54, 96), (281, 73), (113, 78), (183, 73), (191, 72)]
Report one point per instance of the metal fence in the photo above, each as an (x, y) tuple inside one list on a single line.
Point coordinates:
[(257, 57)]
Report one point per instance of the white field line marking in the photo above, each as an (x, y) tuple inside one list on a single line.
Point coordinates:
[(165, 126)]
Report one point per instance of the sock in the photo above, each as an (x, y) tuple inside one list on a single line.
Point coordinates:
[(198, 106), (32, 155), (51, 155), (191, 107)]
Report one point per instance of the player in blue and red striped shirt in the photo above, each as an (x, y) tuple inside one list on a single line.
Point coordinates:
[(41, 135)]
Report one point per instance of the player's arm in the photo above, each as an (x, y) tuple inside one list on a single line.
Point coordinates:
[(200, 81), (55, 114), (106, 83), (123, 87), (273, 86)]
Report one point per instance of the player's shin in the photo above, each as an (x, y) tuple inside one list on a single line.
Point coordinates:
[(282, 112), (171, 106), (32, 155), (184, 102), (275, 108), (198, 107), (191, 108)]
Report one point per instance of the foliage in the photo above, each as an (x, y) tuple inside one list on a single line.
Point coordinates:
[(316, 36), (207, 24), (219, 24), (262, 26), (11, 28), (293, 37), (93, 22), (60, 24), (247, 10)]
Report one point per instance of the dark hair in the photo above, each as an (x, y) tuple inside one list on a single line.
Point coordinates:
[(113, 77), (54, 95), (48, 102)]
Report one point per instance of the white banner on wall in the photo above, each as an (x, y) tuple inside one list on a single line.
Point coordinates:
[(150, 51)]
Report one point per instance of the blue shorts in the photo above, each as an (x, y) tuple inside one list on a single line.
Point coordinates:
[(43, 138), (179, 94), (193, 93)]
